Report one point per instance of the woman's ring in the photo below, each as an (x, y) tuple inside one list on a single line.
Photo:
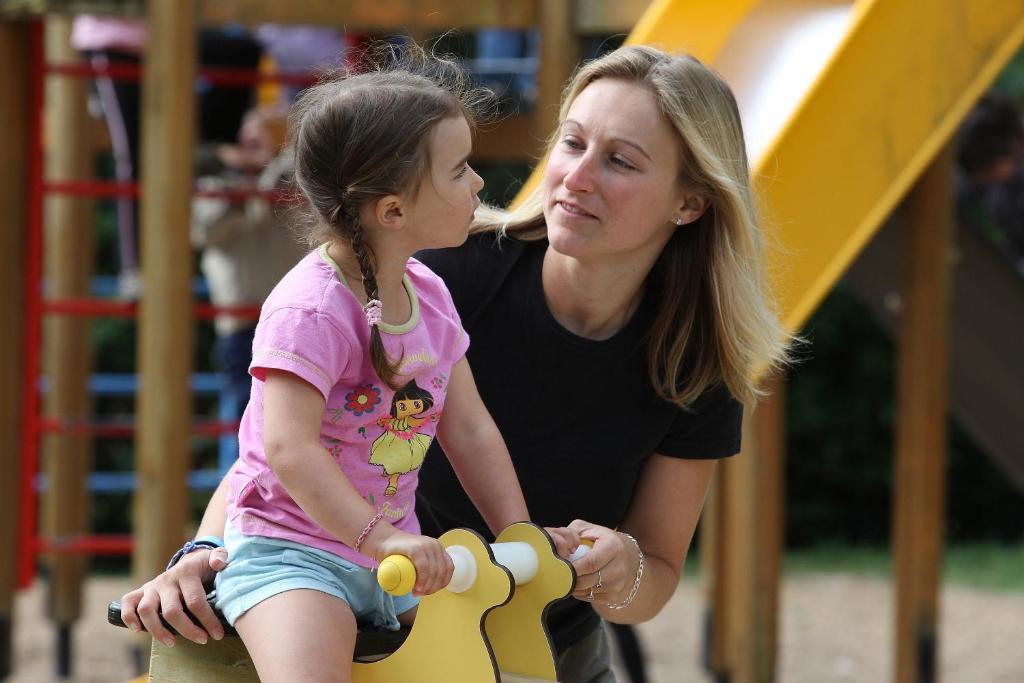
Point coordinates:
[(598, 585), (590, 595)]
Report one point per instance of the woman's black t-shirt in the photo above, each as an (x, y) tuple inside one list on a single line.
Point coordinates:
[(579, 416)]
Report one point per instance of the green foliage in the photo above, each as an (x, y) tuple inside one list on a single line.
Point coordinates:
[(990, 566), (1011, 80), (840, 443), (501, 181), (840, 423), (986, 565)]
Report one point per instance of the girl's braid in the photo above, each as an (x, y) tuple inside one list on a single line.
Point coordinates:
[(363, 257), (352, 228)]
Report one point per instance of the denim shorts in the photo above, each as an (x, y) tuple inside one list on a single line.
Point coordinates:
[(260, 567)]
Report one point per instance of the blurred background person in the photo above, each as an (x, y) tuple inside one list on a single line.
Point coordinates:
[(246, 245), (989, 181)]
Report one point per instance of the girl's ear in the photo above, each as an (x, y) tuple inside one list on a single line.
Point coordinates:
[(693, 208), (389, 212)]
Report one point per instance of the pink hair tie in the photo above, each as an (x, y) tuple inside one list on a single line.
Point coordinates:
[(373, 312)]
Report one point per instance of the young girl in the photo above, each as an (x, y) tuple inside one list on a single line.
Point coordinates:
[(356, 327)]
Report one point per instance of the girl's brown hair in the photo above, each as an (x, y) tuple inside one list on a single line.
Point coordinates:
[(361, 135)]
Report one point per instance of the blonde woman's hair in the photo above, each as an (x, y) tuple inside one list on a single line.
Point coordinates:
[(715, 321)]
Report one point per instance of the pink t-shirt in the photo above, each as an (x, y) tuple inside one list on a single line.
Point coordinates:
[(313, 326)]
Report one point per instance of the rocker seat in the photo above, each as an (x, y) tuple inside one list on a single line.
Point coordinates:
[(371, 642)]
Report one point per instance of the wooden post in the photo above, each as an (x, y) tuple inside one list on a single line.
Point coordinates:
[(770, 427), (165, 315), (559, 54), (713, 561), (739, 477), (14, 118), (745, 625), (66, 353), (922, 403)]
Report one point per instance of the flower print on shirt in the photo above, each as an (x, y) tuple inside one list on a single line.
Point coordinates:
[(401, 448), (333, 446), (362, 399)]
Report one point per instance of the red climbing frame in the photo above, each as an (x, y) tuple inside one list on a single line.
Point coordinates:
[(33, 424)]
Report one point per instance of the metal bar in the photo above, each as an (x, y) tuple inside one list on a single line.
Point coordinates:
[(111, 188), (125, 429), (84, 545), (227, 447), (90, 307), (503, 65), (126, 384), (121, 482), (33, 313), (102, 189), (15, 55), (128, 309), (226, 76), (211, 75), (106, 286)]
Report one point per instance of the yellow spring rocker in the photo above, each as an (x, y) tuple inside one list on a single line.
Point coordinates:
[(487, 625)]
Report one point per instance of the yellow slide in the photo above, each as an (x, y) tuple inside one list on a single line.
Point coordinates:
[(844, 104)]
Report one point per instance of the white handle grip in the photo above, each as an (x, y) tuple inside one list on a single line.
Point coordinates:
[(397, 575), (580, 551)]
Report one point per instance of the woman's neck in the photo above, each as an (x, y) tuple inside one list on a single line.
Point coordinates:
[(389, 272), (594, 301)]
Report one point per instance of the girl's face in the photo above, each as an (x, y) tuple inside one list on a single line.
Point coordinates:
[(611, 188), (439, 214), (407, 407)]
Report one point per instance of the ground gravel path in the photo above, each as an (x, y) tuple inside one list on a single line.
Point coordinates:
[(834, 628)]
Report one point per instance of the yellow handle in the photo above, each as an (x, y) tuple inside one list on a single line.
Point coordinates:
[(396, 574)]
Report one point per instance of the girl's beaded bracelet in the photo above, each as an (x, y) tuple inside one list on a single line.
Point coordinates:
[(367, 529), (201, 543)]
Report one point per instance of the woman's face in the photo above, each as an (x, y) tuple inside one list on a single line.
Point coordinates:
[(611, 189)]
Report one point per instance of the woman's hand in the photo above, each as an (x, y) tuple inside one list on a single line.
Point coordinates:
[(606, 573), (433, 565), (180, 588), (566, 540)]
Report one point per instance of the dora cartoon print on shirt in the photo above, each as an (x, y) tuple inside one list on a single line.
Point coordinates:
[(401, 448)]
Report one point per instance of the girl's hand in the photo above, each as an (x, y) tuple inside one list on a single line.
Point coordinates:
[(606, 573), (566, 540), (433, 565)]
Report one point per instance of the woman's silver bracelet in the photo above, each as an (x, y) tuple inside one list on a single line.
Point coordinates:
[(636, 582)]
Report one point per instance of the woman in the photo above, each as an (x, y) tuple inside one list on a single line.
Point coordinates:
[(618, 319)]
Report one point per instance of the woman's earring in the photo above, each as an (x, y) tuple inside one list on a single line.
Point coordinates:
[(679, 222)]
